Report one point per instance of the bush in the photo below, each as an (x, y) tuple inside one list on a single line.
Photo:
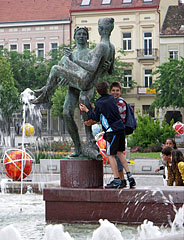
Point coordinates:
[(150, 134)]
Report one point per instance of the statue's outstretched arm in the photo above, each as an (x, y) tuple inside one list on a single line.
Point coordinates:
[(92, 65)]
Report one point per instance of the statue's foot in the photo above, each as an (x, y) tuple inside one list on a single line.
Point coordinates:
[(75, 154)]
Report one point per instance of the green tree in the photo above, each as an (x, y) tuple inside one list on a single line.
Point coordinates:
[(9, 98), (169, 84), (150, 132), (28, 70), (57, 100)]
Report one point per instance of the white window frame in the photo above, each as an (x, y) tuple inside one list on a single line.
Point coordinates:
[(149, 78), (85, 2), (127, 40), (175, 54), (53, 48), (106, 2), (53, 43), (126, 1), (37, 49), (148, 41), (145, 1), (26, 44), (128, 78), (12, 45)]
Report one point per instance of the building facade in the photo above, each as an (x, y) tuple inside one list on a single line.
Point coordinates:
[(136, 31), (172, 47)]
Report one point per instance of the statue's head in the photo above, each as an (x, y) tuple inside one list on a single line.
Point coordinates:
[(77, 29), (105, 25)]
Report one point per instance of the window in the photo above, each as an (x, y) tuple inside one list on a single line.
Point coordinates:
[(1, 50), (173, 54), (106, 2), (13, 47), (147, 43), (127, 1), (85, 2), (26, 29), (147, 78), (39, 28), (127, 78), (13, 29), (145, 1), (40, 50), (147, 110), (54, 47), (26, 47), (127, 41)]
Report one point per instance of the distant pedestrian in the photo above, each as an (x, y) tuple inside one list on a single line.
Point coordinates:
[(172, 158), (168, 143)]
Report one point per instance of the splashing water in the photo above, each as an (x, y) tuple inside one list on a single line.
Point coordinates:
[(31, 224), (10, 232), (107, 231), (56, 232)]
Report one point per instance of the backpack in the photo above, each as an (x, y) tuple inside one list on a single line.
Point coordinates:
[(130, 121)]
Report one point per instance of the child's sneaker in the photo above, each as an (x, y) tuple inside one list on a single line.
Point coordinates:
[(132, 182), (123, 183), (114, 184)]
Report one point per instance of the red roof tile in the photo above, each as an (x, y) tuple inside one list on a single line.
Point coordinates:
[(31, 10), (96, 5), (174, 21)]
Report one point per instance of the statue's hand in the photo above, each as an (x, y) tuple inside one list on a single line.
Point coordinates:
[(43, 98), (41, 90), (68, 53), (106, 65)]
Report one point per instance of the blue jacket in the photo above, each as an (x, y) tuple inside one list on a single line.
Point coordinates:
[(106, 111)]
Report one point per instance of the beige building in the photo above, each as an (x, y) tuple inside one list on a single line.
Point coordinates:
[(172, 47), (136, 31)]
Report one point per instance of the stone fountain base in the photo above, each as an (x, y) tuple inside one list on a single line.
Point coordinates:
[(81, 200), (126, 206)]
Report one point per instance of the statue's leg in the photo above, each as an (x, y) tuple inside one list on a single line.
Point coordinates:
[(85, 98), (68, 114), (47, 90), (91, 150), (76, 76)]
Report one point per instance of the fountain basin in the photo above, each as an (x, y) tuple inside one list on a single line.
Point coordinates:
[(126, 206)]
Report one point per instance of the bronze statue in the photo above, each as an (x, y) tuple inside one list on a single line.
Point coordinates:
[(80, 70)]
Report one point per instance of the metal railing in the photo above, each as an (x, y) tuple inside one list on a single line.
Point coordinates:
[(147, 53)]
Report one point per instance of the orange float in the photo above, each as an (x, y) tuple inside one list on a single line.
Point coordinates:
[(102, 149), (12, 164)]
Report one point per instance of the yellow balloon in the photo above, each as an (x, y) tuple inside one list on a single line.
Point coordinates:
[(29, 130)]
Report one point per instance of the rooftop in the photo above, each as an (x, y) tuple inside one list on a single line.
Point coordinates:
[(34, 10), (94, 5), (174, 21)]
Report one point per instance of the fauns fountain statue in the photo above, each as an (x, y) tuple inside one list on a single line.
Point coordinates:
[(80, 70)]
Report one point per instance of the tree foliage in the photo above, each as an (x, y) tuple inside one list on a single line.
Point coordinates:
[(28, 70), (169, 84), (57, 100), (150, 132), (9, 98)]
